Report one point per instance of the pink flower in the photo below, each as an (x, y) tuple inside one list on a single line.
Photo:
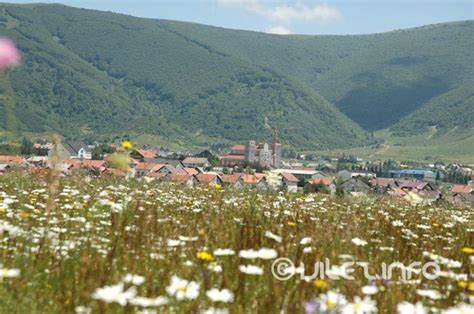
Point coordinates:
[(9, 54)]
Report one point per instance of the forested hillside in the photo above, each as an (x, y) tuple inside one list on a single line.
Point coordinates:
[(95, 72), (90, 73), (376, 79), (451, 110)]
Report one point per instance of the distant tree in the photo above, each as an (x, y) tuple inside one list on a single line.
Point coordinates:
[(100, 151), (317, 188), (339, 187), (466, 179), (214, 160), (97, 153), (9, 149), (26, 147)]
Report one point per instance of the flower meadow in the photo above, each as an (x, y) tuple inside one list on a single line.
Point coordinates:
[(127, 246)]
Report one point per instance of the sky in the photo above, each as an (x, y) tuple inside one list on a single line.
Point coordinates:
[(292, 17)]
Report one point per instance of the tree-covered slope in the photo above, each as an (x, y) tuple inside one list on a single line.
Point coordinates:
[(90, 71), (376, 79), (451, 110)]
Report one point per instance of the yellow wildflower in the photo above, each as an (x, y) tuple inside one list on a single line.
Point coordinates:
[(205, 256), (291, 223), (217, 186), (330, 304), (127, 145), (24, 215), (320, 284), (468, 250), (463, 284)]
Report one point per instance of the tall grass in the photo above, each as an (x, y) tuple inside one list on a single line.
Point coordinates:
[(101, 230)]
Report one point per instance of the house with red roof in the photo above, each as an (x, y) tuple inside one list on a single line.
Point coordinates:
[(255, 180), (232, 180), (463, 194), (396, 192), (382, 182), (142, 154), (289, 181), (10, 160), (157, 176), (196, 162), (415, 186), (460, 188), (183, 179), (144, 168), (209, 179), (191, 171)]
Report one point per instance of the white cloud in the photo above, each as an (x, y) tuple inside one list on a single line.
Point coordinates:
[(287, 13), (278, 30)]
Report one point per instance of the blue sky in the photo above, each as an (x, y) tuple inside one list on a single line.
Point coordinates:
[(297, 17)]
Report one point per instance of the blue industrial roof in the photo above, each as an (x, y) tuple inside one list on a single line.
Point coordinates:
[(409, 171)]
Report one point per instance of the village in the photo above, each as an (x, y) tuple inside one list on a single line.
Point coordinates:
[(258, 166)]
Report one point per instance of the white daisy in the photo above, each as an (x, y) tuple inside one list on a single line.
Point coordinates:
[(370, 290), (248, 254), (409, 308), (251, 269), (461, 308), (429, 293), (223, 295), (149, 302), (273, 236), (265, 253), (224, 252), (216, 311), (305, 241), (359, 242), (115, 294), (183, 289), (9, 273), (134, 279), (331, 301)]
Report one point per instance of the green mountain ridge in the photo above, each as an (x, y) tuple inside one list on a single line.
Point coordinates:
[(162, 76), (376, 79), (92, 73)]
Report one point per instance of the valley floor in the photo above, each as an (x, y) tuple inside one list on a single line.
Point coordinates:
[(454, 146)]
